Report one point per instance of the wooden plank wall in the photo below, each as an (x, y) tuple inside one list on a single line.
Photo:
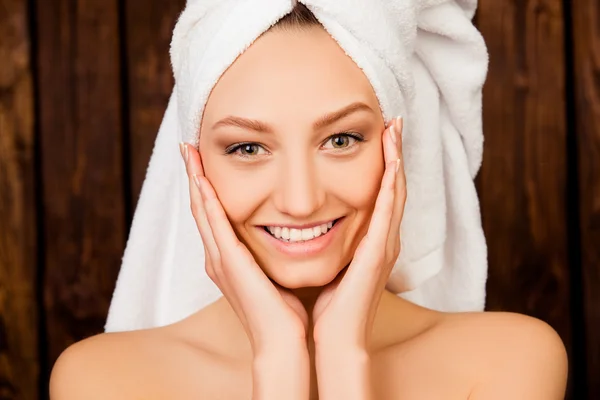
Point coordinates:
[(80, 131), (19, 246), (83, 87), (522, 183), (586, 126)]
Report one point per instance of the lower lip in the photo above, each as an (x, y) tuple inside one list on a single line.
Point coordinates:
[(308, 248)]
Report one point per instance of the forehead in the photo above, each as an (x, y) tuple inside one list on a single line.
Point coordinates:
[(289, 74)]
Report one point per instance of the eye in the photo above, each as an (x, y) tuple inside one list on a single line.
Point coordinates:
[(343, 141), (246, 150)]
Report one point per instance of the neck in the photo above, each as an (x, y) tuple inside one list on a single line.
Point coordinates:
[(308, 296), (395, 318)]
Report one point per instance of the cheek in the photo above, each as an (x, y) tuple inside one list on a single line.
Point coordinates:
[(357, 182), (239, 191)]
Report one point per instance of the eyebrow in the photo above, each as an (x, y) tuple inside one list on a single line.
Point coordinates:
[(322, 122)]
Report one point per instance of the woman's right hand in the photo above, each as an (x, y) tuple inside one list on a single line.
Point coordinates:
[(273, 317)]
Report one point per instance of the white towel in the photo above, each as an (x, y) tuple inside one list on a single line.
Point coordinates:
[(425, 60)]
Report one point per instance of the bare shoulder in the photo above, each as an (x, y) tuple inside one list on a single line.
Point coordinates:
[(510, 355), (108, 365), (479, 355), (147, 364)]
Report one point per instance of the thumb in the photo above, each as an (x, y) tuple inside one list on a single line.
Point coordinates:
[(294, 303), (327, 294)]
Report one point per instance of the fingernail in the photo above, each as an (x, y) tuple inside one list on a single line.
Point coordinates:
[(397, 164), (393, 134), (185, 153), (399, 123)]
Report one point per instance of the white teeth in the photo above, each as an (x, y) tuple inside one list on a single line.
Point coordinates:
[(307, 234), (297, 235), (317, 231)]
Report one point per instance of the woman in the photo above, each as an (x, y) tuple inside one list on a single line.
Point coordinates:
[(299, 210)]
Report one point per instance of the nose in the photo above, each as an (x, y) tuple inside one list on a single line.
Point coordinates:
[(298, 191)]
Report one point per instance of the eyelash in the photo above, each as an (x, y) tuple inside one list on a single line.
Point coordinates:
[(234, 148)]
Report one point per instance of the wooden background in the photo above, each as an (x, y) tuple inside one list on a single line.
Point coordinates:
[(83, 87)]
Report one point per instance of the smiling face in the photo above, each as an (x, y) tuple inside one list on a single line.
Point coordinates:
[(291, 137)]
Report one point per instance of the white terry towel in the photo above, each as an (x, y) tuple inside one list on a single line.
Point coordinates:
[(425, 60)]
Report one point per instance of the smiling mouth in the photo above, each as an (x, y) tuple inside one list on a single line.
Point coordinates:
[(288, 235)]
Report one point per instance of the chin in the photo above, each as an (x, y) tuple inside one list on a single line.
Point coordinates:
[(306, 273)]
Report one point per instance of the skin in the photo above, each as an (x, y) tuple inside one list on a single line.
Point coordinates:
[(286, 323)]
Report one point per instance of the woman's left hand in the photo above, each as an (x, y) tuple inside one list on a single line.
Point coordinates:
[(343, 314)]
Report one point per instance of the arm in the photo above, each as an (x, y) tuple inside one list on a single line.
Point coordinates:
[(283, 374), (344, 373)]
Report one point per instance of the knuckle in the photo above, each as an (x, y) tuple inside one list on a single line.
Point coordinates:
[(226, 271), (402, 192), (218, 273), (397, 249), (211, 273), (394, 256)]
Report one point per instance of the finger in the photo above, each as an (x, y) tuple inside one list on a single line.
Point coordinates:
[(241, 270), (294, 303), (194, 169), (327, 294), (191, 158), (380, 223), (362, 277), (400, 192), (213, 260), (212, 255), (365, 272)]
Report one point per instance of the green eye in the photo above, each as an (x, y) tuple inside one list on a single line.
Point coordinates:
[(246, 150), (249, 149), (342, 141)]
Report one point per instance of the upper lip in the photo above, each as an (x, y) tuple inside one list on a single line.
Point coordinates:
[(303, 226)]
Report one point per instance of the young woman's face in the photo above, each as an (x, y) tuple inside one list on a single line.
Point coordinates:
[(291, 138)]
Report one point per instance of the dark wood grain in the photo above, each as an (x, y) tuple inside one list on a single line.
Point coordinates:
[(523, 177), (19, 363), (150, 26), (81, 138), (586, 41)]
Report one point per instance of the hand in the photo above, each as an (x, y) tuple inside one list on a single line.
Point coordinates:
[(271, 315), (345, 310)]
